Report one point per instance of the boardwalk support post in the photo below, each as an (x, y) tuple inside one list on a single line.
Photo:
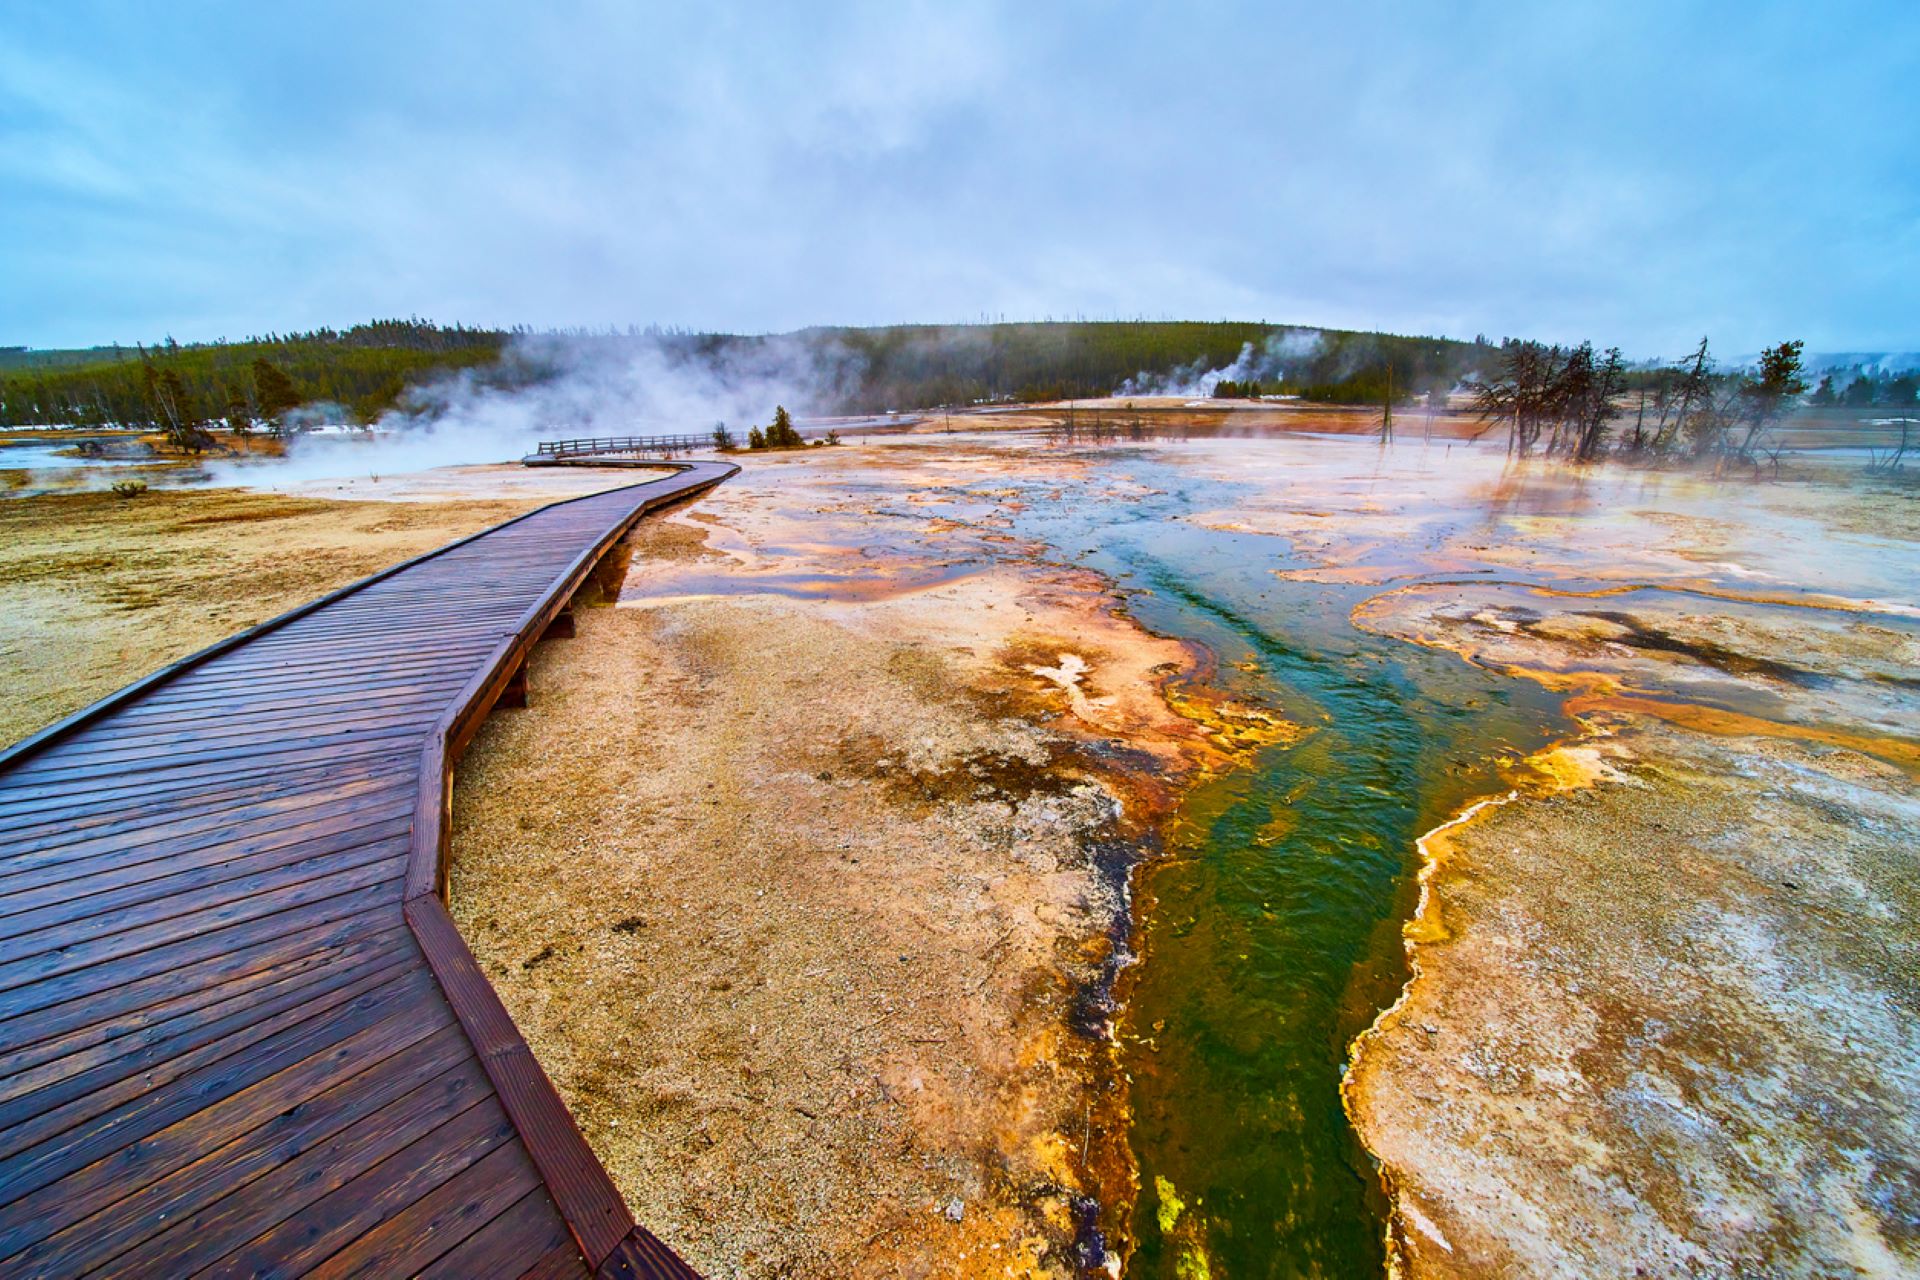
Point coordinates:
[(561, 628), (515, 693)]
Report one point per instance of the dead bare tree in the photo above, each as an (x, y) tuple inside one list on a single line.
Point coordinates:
[(1693, 397), (1522, 394), (1596, 404)]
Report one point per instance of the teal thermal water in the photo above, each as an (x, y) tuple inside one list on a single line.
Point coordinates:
[(1269, 930)]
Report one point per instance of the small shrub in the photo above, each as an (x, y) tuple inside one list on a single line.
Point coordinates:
[(129, 488)]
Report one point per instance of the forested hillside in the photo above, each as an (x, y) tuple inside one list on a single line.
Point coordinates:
[(916, 366), (362, 371)]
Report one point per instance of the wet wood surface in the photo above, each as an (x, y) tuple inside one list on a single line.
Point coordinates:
[(239, 1034)]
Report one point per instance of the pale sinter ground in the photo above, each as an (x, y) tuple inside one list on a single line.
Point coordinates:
[(788, 874), (1663, 1022), (1662, 1015)]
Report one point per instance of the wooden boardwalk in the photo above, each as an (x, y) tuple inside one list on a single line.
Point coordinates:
[(238, 1032), (559, 453)]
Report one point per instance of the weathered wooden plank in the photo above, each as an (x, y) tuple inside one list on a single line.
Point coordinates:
[(230, 678), (33, 967), (373, 688), (595, 1211), (68, 1103), (171, 1025), (417, 1235), (353, 858), (370, 908), (141, 1004), (113, 858), (325, 1227), (641, 1256), (141, 788), (234, 722), (242, 755), (298, 855), (530, 1227), (71, 1174), (433, 1079), (283, 1192), (562, 1262), (264, 760), (134, 794), (33, 799)]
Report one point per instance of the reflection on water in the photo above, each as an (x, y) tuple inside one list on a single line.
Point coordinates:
[(861, 539), (57, 457), (30, 468), (666, 583)]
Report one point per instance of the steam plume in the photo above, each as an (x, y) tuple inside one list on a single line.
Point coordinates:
[(568, 385)]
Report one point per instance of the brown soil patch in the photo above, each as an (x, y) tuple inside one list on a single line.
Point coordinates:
[(804, 903)]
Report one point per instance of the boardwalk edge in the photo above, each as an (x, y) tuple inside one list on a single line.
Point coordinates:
[(595, 1212)]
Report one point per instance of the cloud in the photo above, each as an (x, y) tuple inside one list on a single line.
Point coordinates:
[(754, 168)]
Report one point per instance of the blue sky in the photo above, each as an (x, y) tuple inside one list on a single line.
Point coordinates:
[(1632, 173)]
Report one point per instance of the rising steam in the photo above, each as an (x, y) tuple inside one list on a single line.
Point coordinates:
[(549, 385), (1270, 361)]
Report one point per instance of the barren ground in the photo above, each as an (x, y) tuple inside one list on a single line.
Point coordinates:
[(800, 867), (798, 870)]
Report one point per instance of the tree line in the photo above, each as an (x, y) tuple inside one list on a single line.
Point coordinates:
[(918, 367), (363, 371), (1859, 387), (170, 387), (1563, 400)]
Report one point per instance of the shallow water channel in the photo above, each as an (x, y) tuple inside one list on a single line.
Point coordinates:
[(1269, 930)]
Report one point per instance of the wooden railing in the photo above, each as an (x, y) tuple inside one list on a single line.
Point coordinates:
[(622, 444)]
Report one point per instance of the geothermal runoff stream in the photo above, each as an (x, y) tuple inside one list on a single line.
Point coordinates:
[(1270, 927)]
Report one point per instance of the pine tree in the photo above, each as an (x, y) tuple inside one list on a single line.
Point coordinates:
[(273, 390), (1766, 397), (781, 434)]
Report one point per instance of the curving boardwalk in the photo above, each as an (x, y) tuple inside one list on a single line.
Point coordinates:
[(238, 1032)]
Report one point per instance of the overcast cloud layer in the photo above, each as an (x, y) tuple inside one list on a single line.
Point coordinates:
[(1638, 174)]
